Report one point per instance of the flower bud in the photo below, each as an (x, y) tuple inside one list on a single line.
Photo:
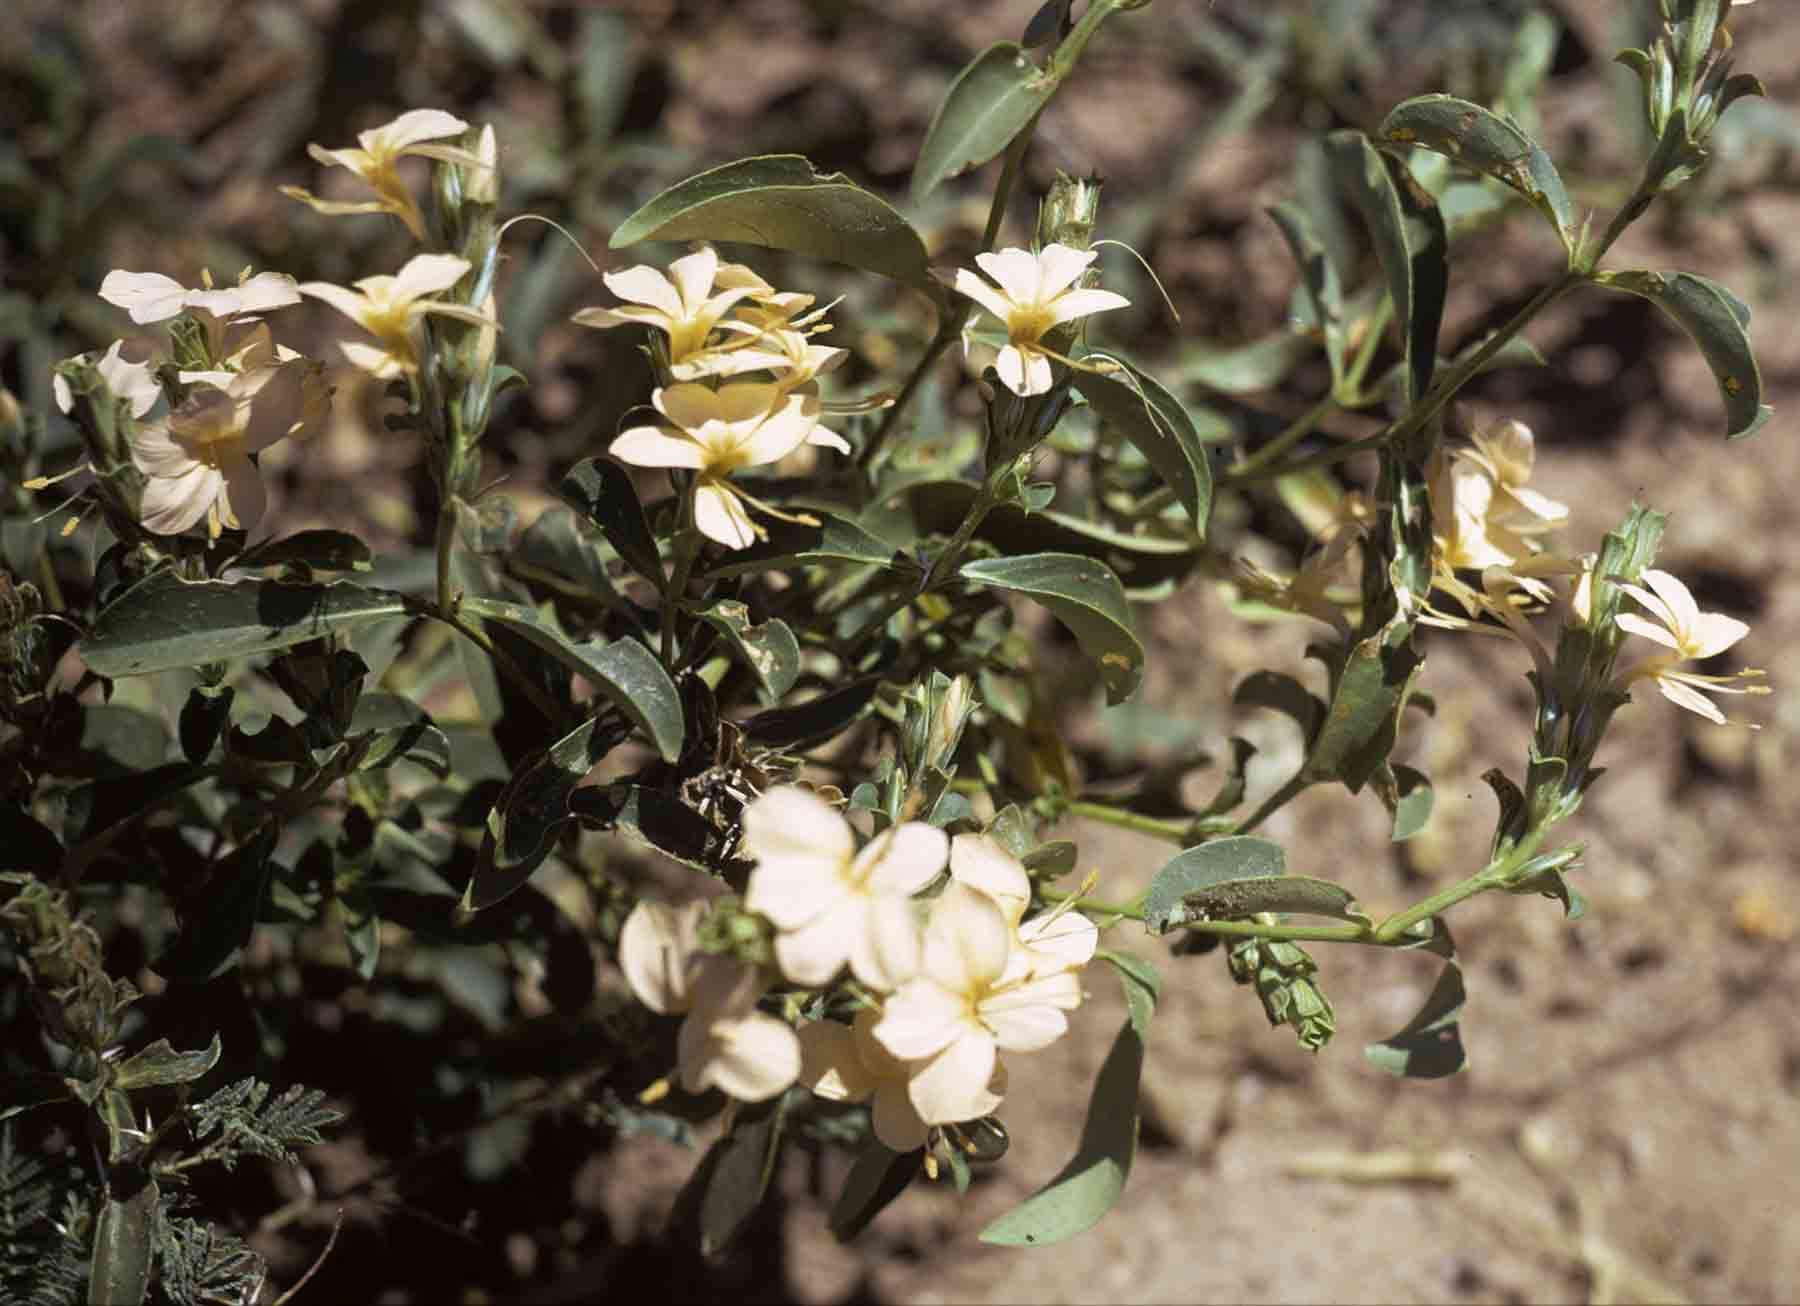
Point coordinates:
[(1069, 212)]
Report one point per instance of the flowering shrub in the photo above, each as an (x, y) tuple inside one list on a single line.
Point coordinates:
[(808, 680)]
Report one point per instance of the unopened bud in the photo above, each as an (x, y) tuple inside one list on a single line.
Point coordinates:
[(1070, 212)]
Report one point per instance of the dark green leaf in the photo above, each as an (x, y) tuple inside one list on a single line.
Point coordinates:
[(661, 820), (601, 490), (991, 101), (781, 201), (1717, 321), (1360, 727), (27, 844), (793, 544), (815, 721), (769, 650), (1049, 860), (1142, 984), (124, 1240), (1237, 899), (134, 740), (876, 1179), (728, 1185), (562, 552), (161, 1064), (1430, 1047), (1090, 1185), (1163, 431), (1412, 800), (203, 716), (1318, 282), (1285, 695), (221, 925), (1236, 369), (321, 550), (534, 803), (1241, 857), (624, 670), (1488, 143), (403, 729), (163, 622), (1086, 597)]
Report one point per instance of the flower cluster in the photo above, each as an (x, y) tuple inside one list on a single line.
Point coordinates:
[(719, 324), (247, 393), (945, 986)]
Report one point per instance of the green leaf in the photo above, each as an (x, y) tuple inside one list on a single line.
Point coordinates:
[(1090, 1185), (133, 740), (1416, 266), (601, 490), (321, 550), (221, 925), (1412, 797), (1717, 321), (530, 808), (1163, 431), (203, 717), (561, 552), (162, 622), (1086, 597), (624, 670), (161, 1064), (1488, 143), (814, 721), (728, 1185), (876, 1178), (1285, 695), (1364, 717), (124, 1240), (1430, 1047), (403, 729), (1236, 369), (1142, 984), (769, 650), (992, 100), (1237, 899), (1318, 282), (781, 201), (1241, 857), (652, 817), (794, 544)]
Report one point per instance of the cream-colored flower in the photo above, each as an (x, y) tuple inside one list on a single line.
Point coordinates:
[(1507, 452), (196, 462), (134, 382), (1035, 293), (966, 1005), (724, 1042), (152, 297), (846, 1063), (1052, 941), (716, 432), (390, 308), (376, 157), (1688, 633), (829, 903), (684, 305)]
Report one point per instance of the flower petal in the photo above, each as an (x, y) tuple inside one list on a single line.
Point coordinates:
[(811, 954), (902, 860), (1713, 633), (1016, 271), (242, 499), (693, 277), (1059, 942), (720, 516), (428, 274), (791, 822), (920, 1020), (895, 1119), (1029, 1016), (410, 128), (146, 296), (656, 945), (1632, 624), (966, 941), (779, 434), (652, 446), (1684, 695), (967, 283), (829, 1063), (171, 504), (978, 861), (751, 1058), (1082, 303), (1059, 267), (954, 1085), (645, 285), (885, 949)]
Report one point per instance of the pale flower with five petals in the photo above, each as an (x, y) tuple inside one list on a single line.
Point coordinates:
[(684, 304), (1688, 633), (1031, 294), (724, 1042), (391, 307), (376, 156), (831, 904)]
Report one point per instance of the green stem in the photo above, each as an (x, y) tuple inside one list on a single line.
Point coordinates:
[(1292, 933), (1297, 430), (1173, 829), (527, 686), (446, 545), (1273, 803), (1489, 877), (950, 324), (687, 549)]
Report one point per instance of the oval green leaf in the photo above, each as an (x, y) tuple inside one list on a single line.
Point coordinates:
[(1318, 282), (160, 1064), (1087, 598), (601, 490), (1163, 430), (624, 670), (1480, 139), (1236, 899), (1241, 857), (796, 544), (780, 201), (163, 622), (1716, 319), (1431, 1046), (991, 101), (769, 650), (125, 1243)]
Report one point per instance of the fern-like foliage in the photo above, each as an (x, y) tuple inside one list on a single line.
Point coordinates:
[(45, 1225), (245, 1121), (201, 1265)]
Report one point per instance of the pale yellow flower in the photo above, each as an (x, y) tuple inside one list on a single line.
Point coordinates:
[(684, 305), (724, 1042), (831, 904), (1035, 292), (1507, 451), (846, 1063), (133, 381), (717, 432), (376, 157), (1689, 634), (196, 462), (152, 297), (1049, 942), (390, 307), (966, 1005)]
